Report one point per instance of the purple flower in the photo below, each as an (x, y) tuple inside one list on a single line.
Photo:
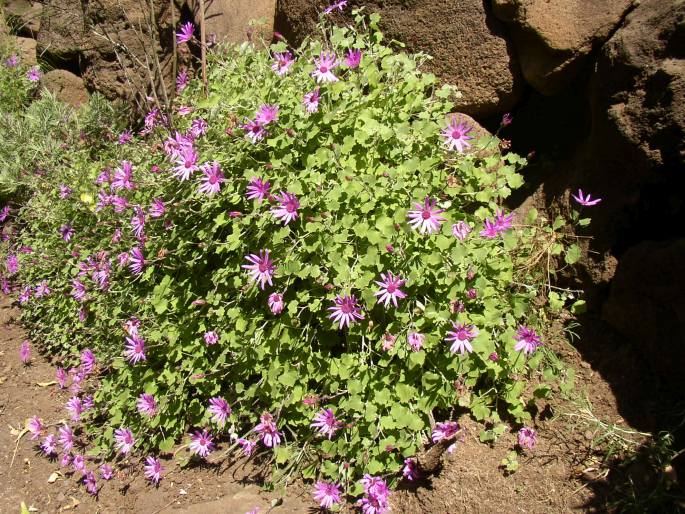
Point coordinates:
[(124, 440), (266, 114), (88, 402), (284, 60), (137, 261), (65, 461), (66, 438), (35, 426), (90, 482), (445, 430), (12, 61), (585, 201), (220, 410), (42, 289), (261, 268), (345, 311), (174, 145), (122, 176), (257, 189), (153, 469), (311, 101), (147, 405), (339, 5), (135, 349), (78, 290), (376, 499), (75, 408), (106, 472), (254, 131), (201, 443), (410, 470), (415, 340), (352, 58), (390, 289), (213, 178), (461, 230), (500, 223), (211, 338), (276, 303), (326, 423), (65, 191), (157, 208), (49, 445), (186, 33), (34, 74), (456, 135), (324, 66), (12, 264), (79, 463), (247, 446), (138, 221), (527, 438), (4, 213), (186, 163), (271, 437), (506, 120), (327, 494), (88, 361), (526, 340), (461, 337), (125, 137), (197, 128), (426, 217), (287, 208), (181, 80), (25, 352)]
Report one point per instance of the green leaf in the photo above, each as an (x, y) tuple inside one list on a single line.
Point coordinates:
[(573, 254)]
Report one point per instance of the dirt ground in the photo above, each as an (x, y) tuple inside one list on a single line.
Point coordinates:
[(563, 474)]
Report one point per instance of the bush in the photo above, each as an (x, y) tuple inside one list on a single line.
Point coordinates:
[(151, 273)]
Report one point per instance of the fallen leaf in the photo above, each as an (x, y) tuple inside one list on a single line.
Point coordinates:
[(46, 384), (53, 478)]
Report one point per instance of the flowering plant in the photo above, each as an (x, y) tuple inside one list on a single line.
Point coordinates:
[(311, 262)]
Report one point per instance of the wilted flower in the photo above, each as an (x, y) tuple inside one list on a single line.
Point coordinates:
[(124, 440), (147, 405), (88, 361), (201, 443), (12, 61), (276, 303), (35, 426), (324, 66), (42, 289), (415, 340), (410, 470), (25, 352), (527, 438), (65, 191), (125, 137), (137, 261), (327, 494), (271, 437), (211, 338), (426, 217), (352, 58), (261, 268), (157, 208), (61, 377), (106, 472), (326, 422), (345, 311), (90, 482), (444, 430), (311, 101), (461, 230), (247, 446), (456, 135)]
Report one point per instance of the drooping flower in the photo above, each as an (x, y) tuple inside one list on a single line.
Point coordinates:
[(585, 201), (526, 340), (66, 438), (311, 101), (122, 176), (461, 230), (106, 472), (201, 443), (65, 461), (266, 114), (49, 445), (220, 410), (270, 435), (352, 58), (186, 162), (287, 208), (35, 426), (284, 60), (527, 438), (124, 440), (173, 145), (157, 208), (276, 303), (325, 64), (426, 218), (61, 377), (410, 471), (327, 494), (138, 221), (445, 430), (88, 361), (461, 337), (90, 482), (457, 135), (261, 268), (390, 289), (326, 423), (247, 446), (88, 402), (131, 326), (339, 5), (211, 338), (34, 74), (500, 223), (153, 469), (181, 80), (75, 408), (135, 349), (213, 178), (147, 405), (136, 261), (25, 352), (4, 213), (79, 463), (345, 311), (415, 340), (42, 289), (185, 34)]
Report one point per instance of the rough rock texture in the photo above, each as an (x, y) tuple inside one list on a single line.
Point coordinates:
[(229, 19), (647, 304), (554, 37), (468, 43), (63, 33), (28, 15), (66, 86), (26, 49)]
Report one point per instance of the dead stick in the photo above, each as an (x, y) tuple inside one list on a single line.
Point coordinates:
[(203, 46)]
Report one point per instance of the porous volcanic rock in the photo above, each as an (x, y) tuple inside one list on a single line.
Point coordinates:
[(28, 15), (63, 33), (66, 86), (554, 37), (26, 49), (229, 20), (468, 43)]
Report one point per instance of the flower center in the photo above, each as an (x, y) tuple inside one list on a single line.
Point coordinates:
[(323, 69), (426, 214), (456, 134), (346, 308), (263, 267), (391, 288)]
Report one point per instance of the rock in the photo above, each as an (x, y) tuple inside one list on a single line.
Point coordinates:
[(66, 86), (468, 43), (63, 33), (26, 49), (647, 305), (229, 19), (553, 38), (28, 15)]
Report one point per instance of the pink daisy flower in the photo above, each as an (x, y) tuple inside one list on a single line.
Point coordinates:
[(345, 311), (106, 472), (138, 221), (213, 178), (35, 426), (284, 60), (88, 361), (147, 405), (65, 191), (49, 445), (125, 137), (461, 337), (254, 131), (456, 135), (327, 494), (276, 303), (185, 34), (75, 408), (61, 377), (390, 289), (261, 268), (201, 443), (220, 410), (79, 463), (135, 349), (257, 189), (153, 469), (157, 208), (78, 290), (186, 163), (526, 340), (425, 218), (461, 230), (326, 423), (266, 114), (122, 176), (287, 208), (181, 80), (34, 74), (325, 65), (136, 261), (66, 438), (311, 101), (124, 440)]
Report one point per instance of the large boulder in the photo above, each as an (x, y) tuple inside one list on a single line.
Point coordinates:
[(66, 86), (554, 37), (26, 49), (229, 20), (468, 44), (63, 33), (27, 14)]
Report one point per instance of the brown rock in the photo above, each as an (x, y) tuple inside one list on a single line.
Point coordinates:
[(554, 37), (28, 15), (63, 33), (66, 86), (229, 20), (26, 49), (468, 43)]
